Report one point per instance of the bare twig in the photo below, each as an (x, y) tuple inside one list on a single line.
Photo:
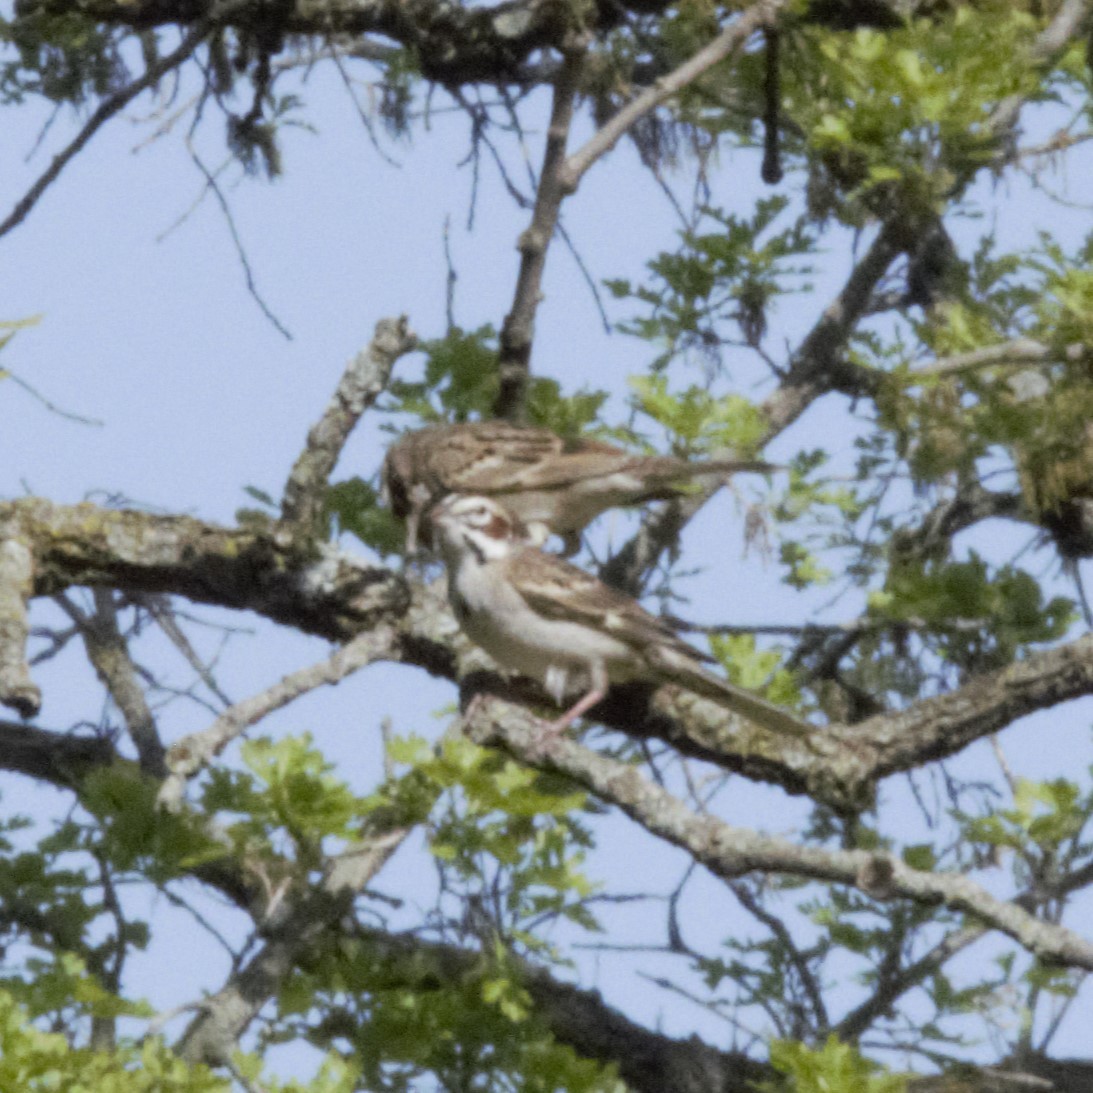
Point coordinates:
[(52, 407), (891, 987), (762, 14), (188, 756), (17, 689), (809, 984), (361, 384), (159, 607), (213, 186), (109, 655), (114, 104)]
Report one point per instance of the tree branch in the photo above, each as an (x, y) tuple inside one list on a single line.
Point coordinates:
[(324, 592), (117, 102), (1066, 24), (109, 656), (730, 852), (59, 759), (190, 755), (363, 381), (759, 15), (296, 925), (1018, 351), (17, 689), (817, 368), (517, 331), (880, 1002), (337, 597), (938, 727)]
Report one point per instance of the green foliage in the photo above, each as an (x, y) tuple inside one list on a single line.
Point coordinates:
[(460, 378), (835, 1066), (567, 416), (881, 122), (697, 421), (1045, 820), (460, 383), (133, 833), (33, 1061), (756, 669), (724, 274), (353, 506), (507, 829), (59, 985), (1008, 603), (504, 838), (287, 799), (64, 58), (900, 116), (335, 1075), (414, 1015)]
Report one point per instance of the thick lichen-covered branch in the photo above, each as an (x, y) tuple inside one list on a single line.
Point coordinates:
[(334, 595), (315, 589), (730, 852), (17, 689)]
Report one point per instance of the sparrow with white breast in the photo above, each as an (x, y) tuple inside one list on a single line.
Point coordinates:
[(551, 484), (537, 614)]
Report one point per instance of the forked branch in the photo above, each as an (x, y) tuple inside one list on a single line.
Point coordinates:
[(731, 852)]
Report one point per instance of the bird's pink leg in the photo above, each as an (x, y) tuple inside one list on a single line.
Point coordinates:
[(556, 728)]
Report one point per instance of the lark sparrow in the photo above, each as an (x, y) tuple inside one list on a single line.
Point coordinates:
[(537, 614), (550, 484)]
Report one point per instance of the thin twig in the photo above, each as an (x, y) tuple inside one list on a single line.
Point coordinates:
[(114, 105), (762, 14), (241, 252), (188, 756), (52, 407)]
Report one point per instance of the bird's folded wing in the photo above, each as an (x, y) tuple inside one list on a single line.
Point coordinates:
[(557, 590)]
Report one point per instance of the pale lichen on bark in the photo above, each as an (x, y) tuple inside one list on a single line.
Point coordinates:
[(17, 689)]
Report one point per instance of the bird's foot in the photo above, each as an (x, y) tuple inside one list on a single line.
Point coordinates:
[(547, 734)]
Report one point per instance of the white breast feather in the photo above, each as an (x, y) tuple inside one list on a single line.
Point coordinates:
[(554, 651)]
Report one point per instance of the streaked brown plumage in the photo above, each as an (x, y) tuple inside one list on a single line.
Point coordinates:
[(539, 615), (551, 484)]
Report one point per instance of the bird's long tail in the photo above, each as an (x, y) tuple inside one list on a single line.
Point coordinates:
[(688, 673)]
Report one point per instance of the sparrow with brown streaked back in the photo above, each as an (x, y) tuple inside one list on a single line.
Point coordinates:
[(551, 484), (539, 615)]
